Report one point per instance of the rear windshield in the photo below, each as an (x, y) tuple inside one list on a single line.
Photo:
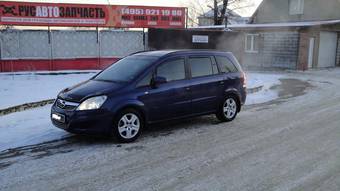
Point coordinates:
[(126, 69)]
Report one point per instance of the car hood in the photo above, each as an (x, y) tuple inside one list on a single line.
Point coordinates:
[(90, 88)]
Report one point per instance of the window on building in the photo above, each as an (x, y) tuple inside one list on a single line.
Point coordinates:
[(296, 7), (172, 70), (252, 43)]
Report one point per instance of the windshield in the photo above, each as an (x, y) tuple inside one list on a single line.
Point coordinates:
[(126, 69)]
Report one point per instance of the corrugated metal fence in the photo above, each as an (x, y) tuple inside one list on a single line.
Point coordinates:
[(61, 49)]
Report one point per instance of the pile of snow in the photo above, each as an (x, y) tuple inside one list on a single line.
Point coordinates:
[(24, 87), (265, 80), (27, 128)]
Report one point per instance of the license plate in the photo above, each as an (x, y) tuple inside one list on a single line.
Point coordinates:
[(58, 117)]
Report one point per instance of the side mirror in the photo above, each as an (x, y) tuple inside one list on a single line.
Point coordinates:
[(157, 80)]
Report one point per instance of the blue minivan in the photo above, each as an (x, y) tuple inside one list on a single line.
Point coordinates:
[(150, 87)]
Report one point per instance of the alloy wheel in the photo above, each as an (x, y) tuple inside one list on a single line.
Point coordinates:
[(230, 108), (129, 125)]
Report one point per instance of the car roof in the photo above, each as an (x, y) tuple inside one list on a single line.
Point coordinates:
[(164, 53)]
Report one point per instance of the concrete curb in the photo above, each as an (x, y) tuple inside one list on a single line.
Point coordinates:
[(254, 90), (25, 106)]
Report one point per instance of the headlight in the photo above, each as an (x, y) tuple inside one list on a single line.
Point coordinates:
[(92, 103)]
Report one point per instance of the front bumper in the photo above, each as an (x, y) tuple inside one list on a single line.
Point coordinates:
[(96, 122)]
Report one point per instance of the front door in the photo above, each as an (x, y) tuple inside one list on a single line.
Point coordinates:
[(171, 99)]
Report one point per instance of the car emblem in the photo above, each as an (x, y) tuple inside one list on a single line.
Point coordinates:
[(62, 103)]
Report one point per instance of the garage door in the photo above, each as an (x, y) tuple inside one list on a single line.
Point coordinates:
[(327, 49)]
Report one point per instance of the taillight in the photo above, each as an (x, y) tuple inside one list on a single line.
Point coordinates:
[(244, 79)]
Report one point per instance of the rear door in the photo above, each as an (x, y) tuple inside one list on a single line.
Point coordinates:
[(206, 83)]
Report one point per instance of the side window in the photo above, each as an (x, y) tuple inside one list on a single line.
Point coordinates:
[(145, 81), (172, 70), (201, 66), (225, 64)]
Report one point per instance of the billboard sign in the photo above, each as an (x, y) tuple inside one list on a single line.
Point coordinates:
[(149, 17), (90, 15)]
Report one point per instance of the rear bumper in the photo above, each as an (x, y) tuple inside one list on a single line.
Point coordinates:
[(96, 122)]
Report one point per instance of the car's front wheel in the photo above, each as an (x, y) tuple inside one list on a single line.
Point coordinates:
[(128, 126), (228, 110)]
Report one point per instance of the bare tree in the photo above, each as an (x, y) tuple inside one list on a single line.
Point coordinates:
[(195, 9), (220, 8)]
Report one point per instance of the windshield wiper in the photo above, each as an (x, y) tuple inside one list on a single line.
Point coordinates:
[(112, 81)]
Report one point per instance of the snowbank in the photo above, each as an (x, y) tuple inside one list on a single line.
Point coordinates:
[(20, 88), (266, 81), (27, 128)]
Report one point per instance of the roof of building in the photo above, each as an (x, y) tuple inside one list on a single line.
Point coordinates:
[(272, 25)]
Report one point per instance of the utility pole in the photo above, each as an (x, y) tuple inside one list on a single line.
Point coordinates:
[(226, 14), (215, 12)]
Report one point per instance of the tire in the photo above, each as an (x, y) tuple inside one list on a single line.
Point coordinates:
[(228, 109), (128, 125)]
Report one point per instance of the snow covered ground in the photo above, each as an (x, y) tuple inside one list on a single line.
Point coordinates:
[(23, 87), (266, 81), (292, 145), (27, 128), (34, 126)]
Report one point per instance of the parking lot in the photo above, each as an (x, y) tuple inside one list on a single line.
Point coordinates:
[(290, 143)]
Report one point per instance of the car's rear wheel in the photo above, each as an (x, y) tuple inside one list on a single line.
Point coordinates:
[(228, 110), (128, 126)]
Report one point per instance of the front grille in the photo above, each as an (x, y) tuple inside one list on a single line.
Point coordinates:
[(62, 104)]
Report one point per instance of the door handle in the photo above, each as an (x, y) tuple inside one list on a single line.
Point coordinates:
[(221, 82), (187, 88)]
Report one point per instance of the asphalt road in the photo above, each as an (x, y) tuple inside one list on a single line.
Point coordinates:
[(292, 143)]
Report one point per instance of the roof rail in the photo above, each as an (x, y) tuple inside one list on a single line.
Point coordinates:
[(139, 52)]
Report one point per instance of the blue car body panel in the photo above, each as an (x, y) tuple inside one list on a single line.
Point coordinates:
[(176, 99)]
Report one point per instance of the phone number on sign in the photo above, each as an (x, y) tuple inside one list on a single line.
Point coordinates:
[(163, 12)]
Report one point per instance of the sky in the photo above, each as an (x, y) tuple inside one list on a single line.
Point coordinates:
[(182, 3)]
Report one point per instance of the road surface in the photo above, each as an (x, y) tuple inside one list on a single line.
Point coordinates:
[(292, 143)]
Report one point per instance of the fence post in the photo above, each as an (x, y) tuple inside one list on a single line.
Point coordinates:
[(99, 48), (1, 64), (50, 42), (186, 17), (144, 44)]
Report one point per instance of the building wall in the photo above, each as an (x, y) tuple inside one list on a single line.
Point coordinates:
[(273, 11), (40, 50), (277, 49), (182, 39)]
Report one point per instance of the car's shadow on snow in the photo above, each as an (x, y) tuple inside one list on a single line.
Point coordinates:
[(75, 142), (169, 127)]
